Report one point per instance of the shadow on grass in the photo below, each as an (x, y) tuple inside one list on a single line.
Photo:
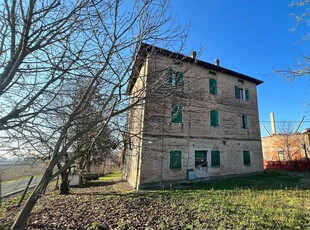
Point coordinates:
[(269, 180), (89, 184)]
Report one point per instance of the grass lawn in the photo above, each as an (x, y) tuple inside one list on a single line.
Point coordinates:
[(111, 176), (269, 201)]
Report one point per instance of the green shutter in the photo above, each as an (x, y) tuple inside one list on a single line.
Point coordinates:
[(180, 78), (237, 94), (246, 157), (214, 118), (170, 72), (245, 117), (213, 86), (200, 154), (215, 158), (177, 114), (247, 96), (175, 159)]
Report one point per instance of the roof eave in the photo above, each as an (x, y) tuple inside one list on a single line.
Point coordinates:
[(148, 48)]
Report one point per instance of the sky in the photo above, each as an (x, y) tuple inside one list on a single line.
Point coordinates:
[(253, 38)]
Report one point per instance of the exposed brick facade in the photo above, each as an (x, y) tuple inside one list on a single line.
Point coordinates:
[(147, 160), (283, 147)]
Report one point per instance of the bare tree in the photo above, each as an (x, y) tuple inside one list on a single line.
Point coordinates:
[(302, 66), (34, 55), (288, 142), (284, 140), (109, 35)]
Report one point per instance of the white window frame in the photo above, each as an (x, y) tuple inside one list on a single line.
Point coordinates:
[(174, 77), (283, 155), (242, 93)]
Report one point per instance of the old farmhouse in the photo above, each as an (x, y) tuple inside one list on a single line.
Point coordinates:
[(198, 121)]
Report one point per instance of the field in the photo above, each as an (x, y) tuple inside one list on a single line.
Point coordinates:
[(9, 172), (269, 201)]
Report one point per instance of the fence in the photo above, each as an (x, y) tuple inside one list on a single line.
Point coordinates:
[(302, 165)]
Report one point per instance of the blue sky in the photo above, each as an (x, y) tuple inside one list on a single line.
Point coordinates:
[(253, 38)]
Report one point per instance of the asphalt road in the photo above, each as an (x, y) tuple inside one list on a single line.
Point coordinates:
[(9, 188)]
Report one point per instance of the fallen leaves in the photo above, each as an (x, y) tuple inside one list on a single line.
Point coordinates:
[(114, 205)]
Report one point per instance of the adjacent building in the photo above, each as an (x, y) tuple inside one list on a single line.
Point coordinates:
[(286, 147), (192, 120)]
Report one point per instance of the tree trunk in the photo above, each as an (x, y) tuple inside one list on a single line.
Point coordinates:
[(64, 186), (21, 220)]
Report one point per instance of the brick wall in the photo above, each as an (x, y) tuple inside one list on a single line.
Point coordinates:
[(295, 146), (195, 133)]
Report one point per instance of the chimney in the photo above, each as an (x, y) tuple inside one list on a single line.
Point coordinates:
[(273, 124), (217, 62), (193, 54)]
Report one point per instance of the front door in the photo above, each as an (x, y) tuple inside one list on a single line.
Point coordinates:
[(201, 164)]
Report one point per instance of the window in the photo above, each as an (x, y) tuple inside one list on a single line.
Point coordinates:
[(201, 158), (215, 158), (175, 78), (242, 93), (175, 159), (281, 156), (214, 118), (246, 157), (176, 114), (244, 122), (213, 86)]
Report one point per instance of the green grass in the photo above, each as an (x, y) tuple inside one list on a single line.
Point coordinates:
[(269, 201), (116, 175), (267, 181), (6, 206), (11, 202), (273, 200)]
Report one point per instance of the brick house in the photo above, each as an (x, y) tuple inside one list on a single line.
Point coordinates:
[(198, 121), (286, 147)]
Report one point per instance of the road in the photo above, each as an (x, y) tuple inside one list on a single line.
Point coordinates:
[(9, 188)]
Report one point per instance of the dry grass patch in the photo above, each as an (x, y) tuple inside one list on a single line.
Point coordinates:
[(270, 201)]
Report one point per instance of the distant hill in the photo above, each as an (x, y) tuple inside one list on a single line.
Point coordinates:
[(14, 161)]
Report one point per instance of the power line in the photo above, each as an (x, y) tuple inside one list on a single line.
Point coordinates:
[(286, 121)]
